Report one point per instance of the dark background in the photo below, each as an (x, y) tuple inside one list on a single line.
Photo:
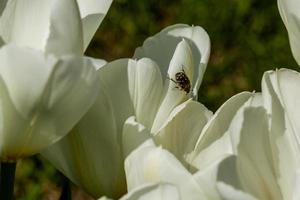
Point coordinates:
[(247, 37)]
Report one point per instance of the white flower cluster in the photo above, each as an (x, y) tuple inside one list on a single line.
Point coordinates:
[(132, 129)]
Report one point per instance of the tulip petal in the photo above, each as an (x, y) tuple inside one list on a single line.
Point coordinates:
[(91, 155), (182, 61), (282, 106), (145, 87), (22, 25), (296, 192), (230, 193), (229, 184), (252, 170), (157, 165), (92, 13), (182, 128), (214, 141), (98, 63), (104, 198), (161, 47), (207, 179), (65, 28), (45, 97), (284, 82), (134, 134), (72, 88), (289, 11), (254, 161), (25, 77), (161, 191), (56, 23)]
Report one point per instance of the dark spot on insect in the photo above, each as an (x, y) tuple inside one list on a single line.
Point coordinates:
[(182, 81)]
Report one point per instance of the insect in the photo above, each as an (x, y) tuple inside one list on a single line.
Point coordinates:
[(182, 81)]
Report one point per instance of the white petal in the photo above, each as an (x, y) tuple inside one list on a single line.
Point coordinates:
[(66, 36), (215, 134), (98, 63), (229, 184), (91, 155), (280, 100), (43, 96), (182, 62), (254, 162), (55, 28), (20, 22), (150, 164), (222, 147), (230, 193), (296, 192), (115, 85), (104, 198), (91, 158), (92, 13), (145, 87), (161, 47), (151, 192), (70, 91), (134, 134), (182, 128), (289, 11), (207, 179), (25, 73), (284, 83)]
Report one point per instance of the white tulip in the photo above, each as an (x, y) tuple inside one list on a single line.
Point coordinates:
[(266, 160), (92, 155), (253, 168), (149, 164), (290, 14), (161, 191), (161, 46), (46, 88), (282, 103), (42, 97), (216, 139), (53, 26)]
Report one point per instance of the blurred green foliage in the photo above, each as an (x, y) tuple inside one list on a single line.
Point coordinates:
[(247, 36)]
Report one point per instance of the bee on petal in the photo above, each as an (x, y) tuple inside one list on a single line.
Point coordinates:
[(182, 81)]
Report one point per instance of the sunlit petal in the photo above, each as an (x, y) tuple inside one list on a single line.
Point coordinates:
[(92, 13), (161, 191), (42, 98), (181, 62), (182, 128), (158, 165), (91, 155), (161, 47), (146, 89), (215, 133), (289, 11)]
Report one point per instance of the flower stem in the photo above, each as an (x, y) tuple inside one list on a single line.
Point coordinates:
[(7, 180)]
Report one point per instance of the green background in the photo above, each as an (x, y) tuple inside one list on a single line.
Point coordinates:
[(247, 37)]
